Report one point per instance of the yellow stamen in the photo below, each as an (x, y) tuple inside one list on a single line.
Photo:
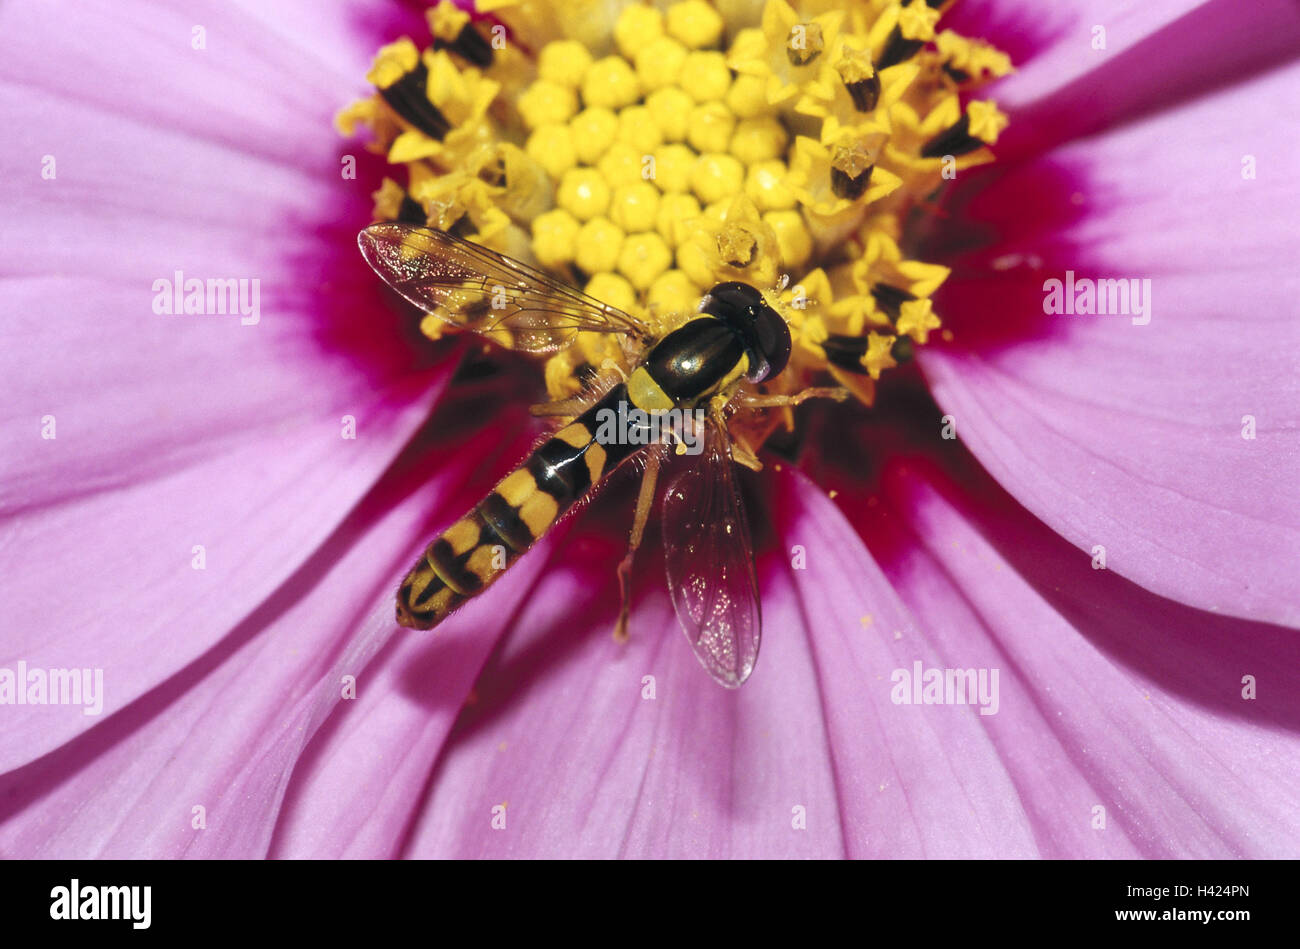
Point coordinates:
[(878, 356)]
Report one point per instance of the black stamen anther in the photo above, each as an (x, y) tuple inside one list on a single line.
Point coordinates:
[(956, 75), (470, 44), (846, 352), (411, 211), (851, 166), (865, 92), (463, 227), (891, 298), (898, 50), (494, 173), (409, 99), (956, 140), (849, 186)]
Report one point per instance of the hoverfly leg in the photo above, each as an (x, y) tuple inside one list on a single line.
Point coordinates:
[(564, 407), (838, 393), (644, 501), (742, 454), (609, 365), (740, 451)]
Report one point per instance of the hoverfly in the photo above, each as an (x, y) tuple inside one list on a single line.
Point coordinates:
[(693, 375)]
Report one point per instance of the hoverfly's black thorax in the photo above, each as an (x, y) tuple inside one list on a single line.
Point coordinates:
[(692, 359), (762, 331)]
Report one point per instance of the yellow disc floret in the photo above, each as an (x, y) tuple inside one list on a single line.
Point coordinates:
[(643, 258), (593, 131), (636, 27), (611, 82), (705, 75), (551, 146), (555, 238), (696, 23), (635, 207), (599, 244), (564, 62), (717, 177), (584, 193), (659, 62), (669, 109), (709, 127)]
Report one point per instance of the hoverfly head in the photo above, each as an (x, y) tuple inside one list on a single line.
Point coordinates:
[(762, 329)]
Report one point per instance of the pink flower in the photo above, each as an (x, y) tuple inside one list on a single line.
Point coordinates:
[(180, 511)]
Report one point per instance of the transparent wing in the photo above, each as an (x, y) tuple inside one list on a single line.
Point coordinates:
[(474, 288), (711, 564)]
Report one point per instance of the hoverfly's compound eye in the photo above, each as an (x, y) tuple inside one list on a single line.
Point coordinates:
[(773, 341), (766, 336)]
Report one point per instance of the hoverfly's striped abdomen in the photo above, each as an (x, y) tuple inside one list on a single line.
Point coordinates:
[(686, 366), (478, 548)]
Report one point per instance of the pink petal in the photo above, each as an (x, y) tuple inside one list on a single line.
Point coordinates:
[(1110, 695), (1155, 56), (175, 431), (1086, 66), (1052, 45), (359, 785), (1130, 436), (142, 617), (227, 732)]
